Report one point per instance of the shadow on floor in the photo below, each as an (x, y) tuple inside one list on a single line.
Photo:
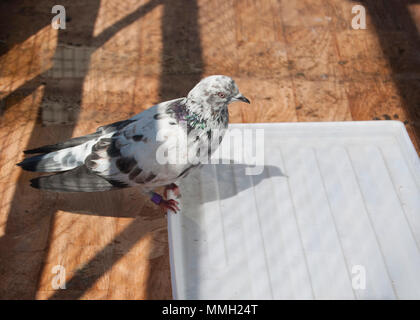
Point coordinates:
[(25, 243), (400, 42), (181, 42)]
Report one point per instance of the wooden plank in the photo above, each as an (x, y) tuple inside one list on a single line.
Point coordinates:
[(271, 101), (321, 101), (295, 60), (316, 78), (305, 13)]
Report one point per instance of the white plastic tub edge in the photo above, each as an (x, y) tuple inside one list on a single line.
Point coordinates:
[(177, 263)]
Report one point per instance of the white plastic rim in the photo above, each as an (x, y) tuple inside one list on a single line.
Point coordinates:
[(335, 214)]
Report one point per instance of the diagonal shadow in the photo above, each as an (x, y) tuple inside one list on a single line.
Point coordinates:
[(159, 269), (182, 65), (30, 218), (181, 32), (99, 263), (96, 42), (12, 17), (87, 204), (181, 43), (400, 42)]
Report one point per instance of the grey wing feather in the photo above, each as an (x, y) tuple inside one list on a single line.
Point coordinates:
[(80, 140), (118, 155), (68, 154), (129, 156), (80, 179)]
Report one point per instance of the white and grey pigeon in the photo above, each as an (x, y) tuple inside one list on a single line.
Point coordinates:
[(124, 154)]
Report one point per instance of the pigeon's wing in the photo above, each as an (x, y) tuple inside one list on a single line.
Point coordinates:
[(80, 140), (72, 153), (131, 155), (101, 131), (120, 158), (69, 154)]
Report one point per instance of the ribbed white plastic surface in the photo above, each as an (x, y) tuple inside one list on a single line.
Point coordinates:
[(335, 214)]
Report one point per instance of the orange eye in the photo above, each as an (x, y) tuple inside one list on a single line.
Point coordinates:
[(221, 95)]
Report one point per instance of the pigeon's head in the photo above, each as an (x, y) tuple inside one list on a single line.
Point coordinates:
[(216, 92)]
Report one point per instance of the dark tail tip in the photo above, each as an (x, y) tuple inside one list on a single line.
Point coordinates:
[(30, 164), (35, 183), (36, 150)]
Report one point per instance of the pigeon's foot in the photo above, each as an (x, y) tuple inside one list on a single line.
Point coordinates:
[(172, 187), (170, 204)]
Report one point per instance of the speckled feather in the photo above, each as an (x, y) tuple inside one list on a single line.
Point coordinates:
[(123, 154)]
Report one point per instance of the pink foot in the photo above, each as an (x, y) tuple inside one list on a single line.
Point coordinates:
[(169, 205), (165, 204)]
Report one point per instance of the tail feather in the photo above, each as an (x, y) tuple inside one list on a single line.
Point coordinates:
[(30, 164), (49, 163), (81, 140), (76, 180), (61, 160), (63, 145)]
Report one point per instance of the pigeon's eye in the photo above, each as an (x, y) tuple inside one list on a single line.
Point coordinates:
[(221, 95)]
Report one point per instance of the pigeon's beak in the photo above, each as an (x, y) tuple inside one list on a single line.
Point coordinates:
[(240, 97)]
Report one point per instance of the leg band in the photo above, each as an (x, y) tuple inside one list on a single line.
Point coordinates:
[(156, 198)]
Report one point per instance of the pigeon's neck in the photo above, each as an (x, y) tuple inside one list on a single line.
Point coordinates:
[(204, 113), (199, 115)]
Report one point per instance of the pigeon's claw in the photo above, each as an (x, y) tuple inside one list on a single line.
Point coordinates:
[(172, 187), (169, 205)]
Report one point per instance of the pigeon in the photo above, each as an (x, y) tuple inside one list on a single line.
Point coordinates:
[(125, 153)]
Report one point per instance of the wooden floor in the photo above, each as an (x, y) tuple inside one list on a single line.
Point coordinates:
[(295, 60)]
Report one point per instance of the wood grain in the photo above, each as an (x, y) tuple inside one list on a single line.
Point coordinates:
[(295, 60)]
